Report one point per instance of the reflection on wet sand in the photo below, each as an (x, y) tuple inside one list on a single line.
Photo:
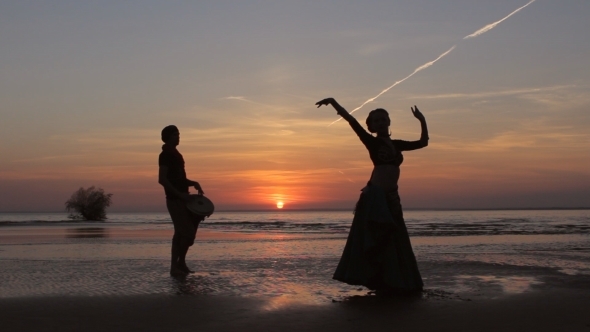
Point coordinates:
[(190, 285), (85, 259), (508, 285), (87, 232)]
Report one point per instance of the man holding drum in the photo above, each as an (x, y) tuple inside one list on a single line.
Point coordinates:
[(172, 177)]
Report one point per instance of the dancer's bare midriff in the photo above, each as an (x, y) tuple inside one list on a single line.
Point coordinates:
[(386, 177)]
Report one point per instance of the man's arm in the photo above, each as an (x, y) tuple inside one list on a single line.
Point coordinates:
[(196, 185), (163, 180)]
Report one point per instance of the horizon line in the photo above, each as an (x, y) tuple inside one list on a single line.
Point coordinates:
[(342, 209)]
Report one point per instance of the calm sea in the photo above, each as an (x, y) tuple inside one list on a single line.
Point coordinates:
[(420, 223)]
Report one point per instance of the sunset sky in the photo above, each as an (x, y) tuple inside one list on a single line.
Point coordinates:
[(87, 86)]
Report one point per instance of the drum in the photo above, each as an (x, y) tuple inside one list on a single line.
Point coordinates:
[(200, 205)]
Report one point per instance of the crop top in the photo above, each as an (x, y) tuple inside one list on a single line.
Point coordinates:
[(380, 152)]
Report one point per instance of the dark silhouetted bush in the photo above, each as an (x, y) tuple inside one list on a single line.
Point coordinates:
[(89, 204)]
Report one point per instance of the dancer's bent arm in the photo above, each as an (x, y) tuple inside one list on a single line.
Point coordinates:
[(422, 142)]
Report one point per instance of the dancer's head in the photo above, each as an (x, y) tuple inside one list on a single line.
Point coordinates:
[(378, 121), (171, 135)]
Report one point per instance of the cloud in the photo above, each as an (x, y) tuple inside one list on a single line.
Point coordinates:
[(424, 66), (60, 158), (490, 94), (371, 49), (428, 64), (237, 98), (532, 135)]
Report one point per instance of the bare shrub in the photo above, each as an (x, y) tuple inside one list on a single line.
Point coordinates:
[(89, 204)]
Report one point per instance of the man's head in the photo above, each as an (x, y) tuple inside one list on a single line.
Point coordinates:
[(171, 135)]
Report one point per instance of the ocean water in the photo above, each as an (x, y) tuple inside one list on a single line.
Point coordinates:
[(287, 255), (419, 223)]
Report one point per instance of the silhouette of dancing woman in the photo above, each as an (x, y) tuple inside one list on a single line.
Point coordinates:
[(378, 253)]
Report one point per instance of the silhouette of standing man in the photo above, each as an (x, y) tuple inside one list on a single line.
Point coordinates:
[(172, 177)]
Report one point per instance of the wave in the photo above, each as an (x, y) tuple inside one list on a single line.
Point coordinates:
[(36, 222), (433, 224)]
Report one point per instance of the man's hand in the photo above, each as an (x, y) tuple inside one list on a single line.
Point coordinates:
[(199, 190), (197, 187)]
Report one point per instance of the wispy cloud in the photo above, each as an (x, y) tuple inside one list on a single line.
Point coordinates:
[(490, 94), (244, 99), (534, 135), (374, 48), (428, 64), (237, 98), (49, 158), (424, 66), (493, 25)]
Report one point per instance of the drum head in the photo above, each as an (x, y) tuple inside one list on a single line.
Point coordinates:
[(200, 205)]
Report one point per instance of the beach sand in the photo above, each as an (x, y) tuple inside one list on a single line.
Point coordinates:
[(115, 279), (550, 310)]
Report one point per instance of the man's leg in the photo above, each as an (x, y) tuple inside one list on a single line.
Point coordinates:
[(194, 222), (175, 256), (176, 208), (182, 260)]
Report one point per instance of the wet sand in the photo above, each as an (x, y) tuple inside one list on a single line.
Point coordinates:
[(551, 310), (115, 279), (37, 234)]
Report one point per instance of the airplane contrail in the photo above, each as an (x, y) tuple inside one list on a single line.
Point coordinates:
[(424, 66), (428, 64), (493, 25), (242, 98)]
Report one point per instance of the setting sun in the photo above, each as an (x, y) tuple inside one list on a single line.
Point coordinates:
[(280, 205)]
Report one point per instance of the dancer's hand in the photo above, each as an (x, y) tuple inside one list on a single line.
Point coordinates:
[(417, 114), (327, 101)]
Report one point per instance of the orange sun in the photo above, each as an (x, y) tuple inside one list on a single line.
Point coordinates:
[(280, 205)]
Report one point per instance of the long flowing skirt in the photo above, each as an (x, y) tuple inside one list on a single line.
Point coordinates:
[(378, 253)]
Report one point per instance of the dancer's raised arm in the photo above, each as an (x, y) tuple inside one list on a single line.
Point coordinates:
[(418, 115), (422, 142), (339, 109), (356, 126)]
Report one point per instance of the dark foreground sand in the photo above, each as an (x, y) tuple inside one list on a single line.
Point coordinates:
[(547, 310)]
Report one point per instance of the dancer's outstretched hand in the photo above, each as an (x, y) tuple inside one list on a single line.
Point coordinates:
[(327, 101), (417, 114)]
